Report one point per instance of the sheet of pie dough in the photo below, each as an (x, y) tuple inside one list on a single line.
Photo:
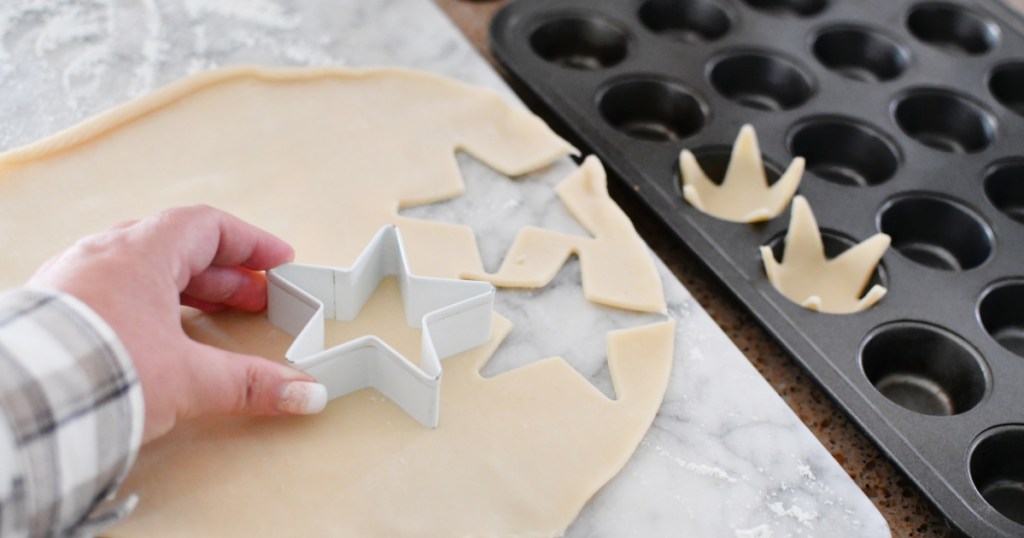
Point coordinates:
[(323, 158)]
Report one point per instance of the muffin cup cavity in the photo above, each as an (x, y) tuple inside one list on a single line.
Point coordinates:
[(1006, 83), (799, 8), (997, 470), (923, 368), (952, 28), (690, 21), (860, 53), (1004, 187), (845, 152), (945, 121), (936, 232), (1001, 313), (580, 42), (761, 81), (652, 109)]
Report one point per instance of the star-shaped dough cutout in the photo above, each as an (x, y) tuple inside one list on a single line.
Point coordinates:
[(807, 277), (744, 195), (454, 315)]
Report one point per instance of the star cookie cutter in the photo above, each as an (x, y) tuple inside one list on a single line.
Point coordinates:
[(454, 315)]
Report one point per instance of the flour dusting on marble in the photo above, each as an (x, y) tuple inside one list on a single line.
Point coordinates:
[(794, 512), (77, 24), (805, 471), (700, 469), (90, 55), (263, 12), (760, 531)]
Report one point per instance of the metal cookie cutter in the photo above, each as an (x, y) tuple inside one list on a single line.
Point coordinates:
[(454, 315)]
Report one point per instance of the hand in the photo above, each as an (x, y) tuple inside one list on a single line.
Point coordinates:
[(137, 274)]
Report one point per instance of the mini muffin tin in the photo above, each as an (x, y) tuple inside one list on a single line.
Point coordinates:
[(910, 115)]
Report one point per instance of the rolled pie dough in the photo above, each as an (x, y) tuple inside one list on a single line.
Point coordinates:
[(324, 158)]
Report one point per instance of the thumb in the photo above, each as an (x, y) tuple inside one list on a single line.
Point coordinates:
[(226, 383)]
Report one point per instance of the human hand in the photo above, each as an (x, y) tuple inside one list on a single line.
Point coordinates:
[(136, 275)]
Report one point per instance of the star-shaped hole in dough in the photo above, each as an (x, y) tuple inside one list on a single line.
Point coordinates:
[(808, 278), (744, 195), (454, 315)]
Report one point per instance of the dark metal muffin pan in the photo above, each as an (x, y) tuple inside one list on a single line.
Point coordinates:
[(911, 117)]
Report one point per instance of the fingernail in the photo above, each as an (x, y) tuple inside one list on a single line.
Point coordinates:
[(302, 398)]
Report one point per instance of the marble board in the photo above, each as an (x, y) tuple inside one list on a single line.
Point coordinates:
[(725, 456)]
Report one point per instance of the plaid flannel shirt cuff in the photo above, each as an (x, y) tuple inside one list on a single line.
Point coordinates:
[(72, 408)]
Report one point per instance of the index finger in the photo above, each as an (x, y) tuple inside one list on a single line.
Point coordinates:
[(198, 237)]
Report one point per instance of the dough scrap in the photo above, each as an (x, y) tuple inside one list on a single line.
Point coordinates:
[(744, 195), (808, 278), (613, 255), (324, 158)]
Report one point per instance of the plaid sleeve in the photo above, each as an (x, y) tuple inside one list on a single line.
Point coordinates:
[(71, 417)]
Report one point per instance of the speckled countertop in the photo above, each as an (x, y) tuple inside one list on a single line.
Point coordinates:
[(899, 501)]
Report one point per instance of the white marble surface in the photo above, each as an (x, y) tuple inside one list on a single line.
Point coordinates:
[(725, 457)]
